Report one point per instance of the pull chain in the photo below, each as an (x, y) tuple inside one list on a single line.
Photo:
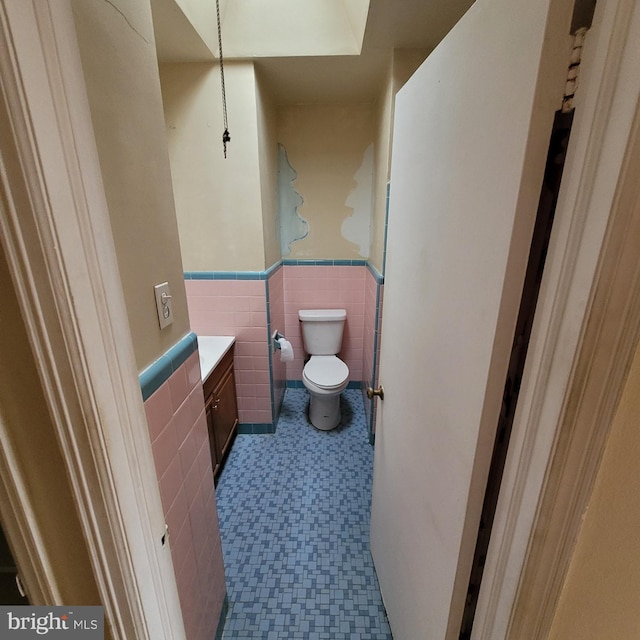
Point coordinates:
[(226, 136)]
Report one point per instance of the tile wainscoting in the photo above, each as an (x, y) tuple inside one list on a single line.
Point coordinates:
[(252, 305), (174, 406), (238, 308)]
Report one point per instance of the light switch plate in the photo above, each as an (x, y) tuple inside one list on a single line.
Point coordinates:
[(163, 304)]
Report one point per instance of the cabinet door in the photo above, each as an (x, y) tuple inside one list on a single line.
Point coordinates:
[(225, 411), (211, 428)]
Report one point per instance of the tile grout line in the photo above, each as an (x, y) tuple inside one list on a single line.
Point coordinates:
[(294, 515)]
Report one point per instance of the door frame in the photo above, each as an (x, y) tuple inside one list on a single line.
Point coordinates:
[(584, 337), (57, 239)]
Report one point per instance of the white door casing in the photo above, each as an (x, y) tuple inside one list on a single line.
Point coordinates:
[(584, 336), (57, 240)]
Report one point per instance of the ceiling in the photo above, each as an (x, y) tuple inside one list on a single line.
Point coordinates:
[(390, 24)]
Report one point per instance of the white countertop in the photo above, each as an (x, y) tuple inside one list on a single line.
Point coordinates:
[(211, 349)]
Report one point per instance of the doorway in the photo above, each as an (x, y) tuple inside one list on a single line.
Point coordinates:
[(11, 591)]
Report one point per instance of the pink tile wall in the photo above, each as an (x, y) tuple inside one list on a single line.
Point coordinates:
[(276, 314), (238, 308), (178, 430), (326, 287)]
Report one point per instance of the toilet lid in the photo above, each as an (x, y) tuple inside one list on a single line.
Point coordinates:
[(326, 371)]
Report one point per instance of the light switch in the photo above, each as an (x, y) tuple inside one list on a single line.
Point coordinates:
[(163, 304)]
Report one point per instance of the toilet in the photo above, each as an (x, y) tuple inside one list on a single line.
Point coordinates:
[(325, 375)]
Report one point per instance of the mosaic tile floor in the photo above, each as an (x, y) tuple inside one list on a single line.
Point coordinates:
[(294, 519)]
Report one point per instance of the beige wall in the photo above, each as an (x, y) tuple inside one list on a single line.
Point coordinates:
[(227, 209), (405, 63), (402, 65), (600, 596), (384, 123), (25, 415), (218, 200), (119, 61), (328, 146), (202, 15), (268, 147)]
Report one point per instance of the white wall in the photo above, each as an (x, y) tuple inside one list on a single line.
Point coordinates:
[(254, 28)]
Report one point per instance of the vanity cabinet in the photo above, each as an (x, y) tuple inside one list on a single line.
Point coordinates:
[(221, 408)]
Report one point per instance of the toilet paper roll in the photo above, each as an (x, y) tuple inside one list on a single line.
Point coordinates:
[(286, 350)]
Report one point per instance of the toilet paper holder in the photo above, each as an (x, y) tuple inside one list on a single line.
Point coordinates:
[(276, 336)]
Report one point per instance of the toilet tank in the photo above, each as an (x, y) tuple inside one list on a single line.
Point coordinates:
[(322, 330)]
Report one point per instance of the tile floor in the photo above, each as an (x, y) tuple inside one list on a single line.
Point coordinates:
[(294, 519)]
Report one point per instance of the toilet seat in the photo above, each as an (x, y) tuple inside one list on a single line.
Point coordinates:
[(326, 372)]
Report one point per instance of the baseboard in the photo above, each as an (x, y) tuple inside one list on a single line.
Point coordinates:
[(223, 618), (245, 428), (298, 384)]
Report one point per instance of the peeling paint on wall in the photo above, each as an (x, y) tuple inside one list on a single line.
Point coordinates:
[(291, 226), (357, 227)]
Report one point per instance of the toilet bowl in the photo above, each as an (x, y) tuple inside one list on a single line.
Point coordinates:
[(325, 377)]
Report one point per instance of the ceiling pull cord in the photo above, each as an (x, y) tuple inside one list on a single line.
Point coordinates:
[(226, 136)]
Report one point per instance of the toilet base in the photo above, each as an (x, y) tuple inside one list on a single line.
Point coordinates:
[(324, 411)]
